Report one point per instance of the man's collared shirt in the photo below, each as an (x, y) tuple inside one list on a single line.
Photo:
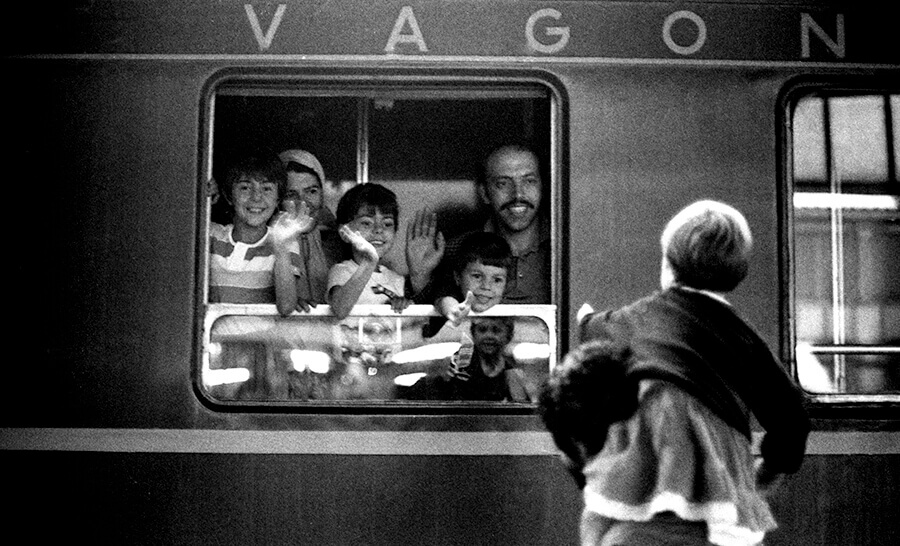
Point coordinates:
[(528, 280)]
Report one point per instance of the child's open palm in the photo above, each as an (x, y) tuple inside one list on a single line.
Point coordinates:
[(424, 243), (361, 246), (291, 223)]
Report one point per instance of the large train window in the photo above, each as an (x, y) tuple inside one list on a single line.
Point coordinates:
[(846, 243), (424, 139)]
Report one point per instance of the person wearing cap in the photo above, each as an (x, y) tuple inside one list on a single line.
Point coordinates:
[(320, 248)]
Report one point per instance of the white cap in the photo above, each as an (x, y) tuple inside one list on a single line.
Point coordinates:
[(303, 158)]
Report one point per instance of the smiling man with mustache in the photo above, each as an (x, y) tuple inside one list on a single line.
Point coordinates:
[(512, 188)]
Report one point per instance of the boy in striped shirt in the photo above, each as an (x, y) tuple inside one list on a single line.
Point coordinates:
[(250, 262)]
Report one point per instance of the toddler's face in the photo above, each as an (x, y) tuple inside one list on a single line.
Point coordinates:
[(490, 335), (376, 228), (254, 200), (486, 282)]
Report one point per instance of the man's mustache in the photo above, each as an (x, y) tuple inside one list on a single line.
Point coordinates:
[(517, 203)]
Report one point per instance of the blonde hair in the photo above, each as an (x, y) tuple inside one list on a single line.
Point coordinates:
[(707, 246)]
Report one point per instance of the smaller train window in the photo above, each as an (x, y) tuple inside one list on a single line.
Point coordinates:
[(416, 157), (846, 243)]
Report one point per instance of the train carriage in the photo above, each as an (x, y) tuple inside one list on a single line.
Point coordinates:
[(140, 412)]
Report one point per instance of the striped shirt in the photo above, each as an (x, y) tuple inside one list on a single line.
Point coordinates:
[(240, 272)]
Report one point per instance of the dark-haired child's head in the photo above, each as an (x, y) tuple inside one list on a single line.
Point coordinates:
[(372, 211), (253, 187), (481, 266), (706, 246), (584, 394)]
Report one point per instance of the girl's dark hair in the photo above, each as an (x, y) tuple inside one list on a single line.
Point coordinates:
[(362, 196), (586, 392), (485, 247)]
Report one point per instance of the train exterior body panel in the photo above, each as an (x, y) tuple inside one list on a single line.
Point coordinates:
[(114, 114)]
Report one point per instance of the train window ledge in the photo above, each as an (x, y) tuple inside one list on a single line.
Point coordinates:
[(376, 358)]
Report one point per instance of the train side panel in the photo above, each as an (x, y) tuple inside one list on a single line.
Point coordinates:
[(103, 433)]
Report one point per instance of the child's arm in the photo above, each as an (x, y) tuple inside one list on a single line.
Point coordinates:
[(284, 231), (453, 309), (343, 297)]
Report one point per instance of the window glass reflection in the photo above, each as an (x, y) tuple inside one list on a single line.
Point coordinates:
[(376, 356)]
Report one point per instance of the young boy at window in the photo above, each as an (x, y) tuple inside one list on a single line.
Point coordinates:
[(367, 215), (321, 247), (480, 267), (250, 262)]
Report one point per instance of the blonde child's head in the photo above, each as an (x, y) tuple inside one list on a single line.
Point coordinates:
[(706, 246)]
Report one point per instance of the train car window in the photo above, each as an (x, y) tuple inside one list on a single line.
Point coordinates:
[(425, 141), (846, 244)]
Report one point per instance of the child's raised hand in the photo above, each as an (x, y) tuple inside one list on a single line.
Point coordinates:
[(457, 313), (291, 223), (424, 243), (300, 214), (361, 246)]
